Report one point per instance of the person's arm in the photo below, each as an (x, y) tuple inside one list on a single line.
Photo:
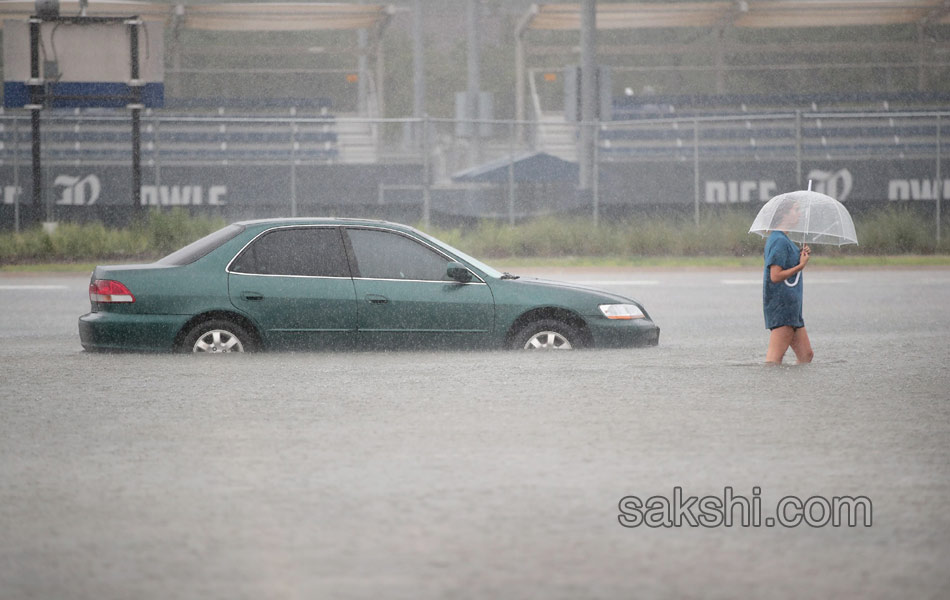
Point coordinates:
[(777, 274)]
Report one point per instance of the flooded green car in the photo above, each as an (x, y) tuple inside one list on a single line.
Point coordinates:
[(289, 284)]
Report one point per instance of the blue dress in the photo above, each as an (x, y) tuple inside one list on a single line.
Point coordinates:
[(782, 301)]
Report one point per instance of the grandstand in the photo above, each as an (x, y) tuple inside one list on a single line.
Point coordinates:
[(680, 78), (626, 108), (831, 135), (186, 138), (194, 124)]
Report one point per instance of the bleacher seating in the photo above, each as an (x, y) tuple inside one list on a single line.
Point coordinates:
[(247, 105), (703, 105), (209, 130), (763, 127), (304, 130)]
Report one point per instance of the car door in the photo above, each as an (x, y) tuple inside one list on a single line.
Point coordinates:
[(404, 297), (295, 284)]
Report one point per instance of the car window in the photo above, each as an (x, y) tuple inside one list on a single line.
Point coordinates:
[(197, 249), (310, 251), (387, 255), (492, 272)]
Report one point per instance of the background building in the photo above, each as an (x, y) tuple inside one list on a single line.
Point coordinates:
[(461, 109)]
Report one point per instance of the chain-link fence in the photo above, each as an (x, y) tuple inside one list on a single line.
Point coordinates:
[(287, 163)]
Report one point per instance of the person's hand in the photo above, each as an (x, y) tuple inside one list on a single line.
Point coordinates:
[(804, 256)]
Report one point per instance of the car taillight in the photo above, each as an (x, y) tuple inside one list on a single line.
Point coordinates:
[(107, 290)]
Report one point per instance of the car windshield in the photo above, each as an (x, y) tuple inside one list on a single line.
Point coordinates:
[(472, 261), (199, 248)]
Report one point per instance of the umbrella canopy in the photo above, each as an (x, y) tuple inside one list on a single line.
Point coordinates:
[(806, 217)]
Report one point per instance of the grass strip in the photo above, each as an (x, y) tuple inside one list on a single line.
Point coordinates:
[(672, 262)]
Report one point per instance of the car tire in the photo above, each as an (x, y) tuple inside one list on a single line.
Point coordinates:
[(216, 336), (547, 334)]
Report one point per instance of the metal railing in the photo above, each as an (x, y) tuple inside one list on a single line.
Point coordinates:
[(526, 166)]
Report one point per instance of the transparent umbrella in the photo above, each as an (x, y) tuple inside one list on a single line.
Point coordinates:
[(807, 217)]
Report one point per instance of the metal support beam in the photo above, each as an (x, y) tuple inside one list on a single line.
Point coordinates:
[(418, 64), (588, 92), (380, 77), (720, 62), (362, 74), (381, 63), (174, 84), (474, 79), (135, 105), (37, 97), (520, 83)]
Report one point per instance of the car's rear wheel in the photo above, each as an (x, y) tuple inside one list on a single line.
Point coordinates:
[(547, 334), (216, 336)]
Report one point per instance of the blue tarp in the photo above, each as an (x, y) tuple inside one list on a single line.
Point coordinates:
[(529, 167)]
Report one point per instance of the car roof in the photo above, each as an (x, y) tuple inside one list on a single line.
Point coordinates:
[(323, 221)]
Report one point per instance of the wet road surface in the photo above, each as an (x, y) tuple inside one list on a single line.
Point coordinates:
[(484, 474)]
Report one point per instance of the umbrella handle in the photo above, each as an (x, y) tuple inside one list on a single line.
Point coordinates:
[(797, 276)]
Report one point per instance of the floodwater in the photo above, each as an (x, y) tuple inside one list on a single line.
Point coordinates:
[(484, 474)]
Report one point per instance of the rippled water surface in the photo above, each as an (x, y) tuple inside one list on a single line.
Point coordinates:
[(483, 474)]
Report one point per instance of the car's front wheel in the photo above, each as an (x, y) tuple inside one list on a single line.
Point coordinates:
[(547, 334), (217, 335)]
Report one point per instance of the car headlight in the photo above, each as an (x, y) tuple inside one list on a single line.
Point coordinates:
[(621, 311)]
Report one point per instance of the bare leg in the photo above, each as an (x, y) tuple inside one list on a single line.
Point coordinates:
[(779, 341), (801, 345)]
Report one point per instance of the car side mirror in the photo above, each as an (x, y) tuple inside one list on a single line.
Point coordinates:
[(458, 272)]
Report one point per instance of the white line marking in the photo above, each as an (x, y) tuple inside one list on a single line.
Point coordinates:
[(741, 282), (33, 287), (620, 282), (759, 281)]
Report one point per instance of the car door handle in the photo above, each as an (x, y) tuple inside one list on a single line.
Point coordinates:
[(253, 296), (376, 299)]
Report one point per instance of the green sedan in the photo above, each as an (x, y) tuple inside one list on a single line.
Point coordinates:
[(287, 284)]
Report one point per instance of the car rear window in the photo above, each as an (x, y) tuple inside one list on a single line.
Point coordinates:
[(199, 248), (305, 251)]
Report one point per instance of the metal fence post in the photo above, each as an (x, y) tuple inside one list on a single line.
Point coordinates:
[(595, 176), (511, 174), (426, 197), (293, 168), (798, 148), (696, 171), (37, 99), (156, 150), (135, 105), (939, 184), (16, 174)]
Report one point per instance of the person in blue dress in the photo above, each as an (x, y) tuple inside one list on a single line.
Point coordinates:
[(782, 288)]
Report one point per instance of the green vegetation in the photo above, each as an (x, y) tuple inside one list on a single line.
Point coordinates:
[(891, 237), (159, 234), (663, 239)]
